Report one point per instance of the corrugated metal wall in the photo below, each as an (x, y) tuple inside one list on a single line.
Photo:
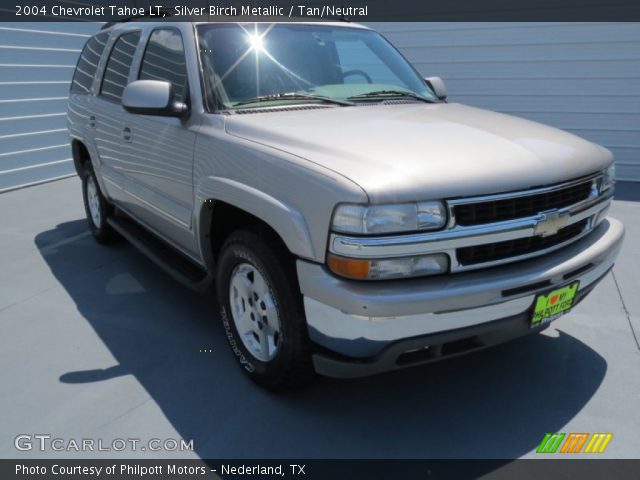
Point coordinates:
[(36, 65), (581, 77)]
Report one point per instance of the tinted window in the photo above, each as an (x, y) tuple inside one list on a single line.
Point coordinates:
[(88, 63), (164, 60), (117, 72)]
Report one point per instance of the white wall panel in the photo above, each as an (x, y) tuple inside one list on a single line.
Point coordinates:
[(36, 65)]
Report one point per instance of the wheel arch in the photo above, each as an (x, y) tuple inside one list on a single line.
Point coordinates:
[(80, 154), (226, 205)]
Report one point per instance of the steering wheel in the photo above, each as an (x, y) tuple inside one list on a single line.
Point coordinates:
[(362, 73)]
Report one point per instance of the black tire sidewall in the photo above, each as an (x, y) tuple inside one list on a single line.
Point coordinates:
[(102, 232), (245, 249)]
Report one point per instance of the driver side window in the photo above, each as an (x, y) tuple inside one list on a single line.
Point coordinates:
[(164, 59)]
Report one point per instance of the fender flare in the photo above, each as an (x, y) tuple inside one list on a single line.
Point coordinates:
[(287, 221)]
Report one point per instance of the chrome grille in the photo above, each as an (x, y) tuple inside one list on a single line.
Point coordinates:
[(518, 207), (490, 252)]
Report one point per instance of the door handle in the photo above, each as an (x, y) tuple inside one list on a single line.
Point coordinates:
[(92, 121), (126, 134)]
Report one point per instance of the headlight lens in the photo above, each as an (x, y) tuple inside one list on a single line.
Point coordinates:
[(394, 218), (389, 268), (608, 178)]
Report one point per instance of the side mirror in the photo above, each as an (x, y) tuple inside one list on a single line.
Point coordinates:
[(438, 86), (152, 97)]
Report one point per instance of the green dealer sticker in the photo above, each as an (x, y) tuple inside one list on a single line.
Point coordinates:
[(549, 306)]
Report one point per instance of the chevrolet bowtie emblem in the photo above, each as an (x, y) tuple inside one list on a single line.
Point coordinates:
[(550, 222)]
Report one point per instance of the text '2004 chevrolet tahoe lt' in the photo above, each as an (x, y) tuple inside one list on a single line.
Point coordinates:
[(350, 220)]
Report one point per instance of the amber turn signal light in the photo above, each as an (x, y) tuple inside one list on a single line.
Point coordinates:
[(349, 267)]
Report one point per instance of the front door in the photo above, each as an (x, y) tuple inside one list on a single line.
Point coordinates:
[(161, 173)]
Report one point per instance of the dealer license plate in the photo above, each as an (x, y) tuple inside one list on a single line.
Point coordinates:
[(549, 306)]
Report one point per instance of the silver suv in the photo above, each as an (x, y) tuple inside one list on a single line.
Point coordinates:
[(350, 220)]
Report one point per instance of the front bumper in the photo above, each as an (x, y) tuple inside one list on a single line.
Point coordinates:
[(369, 327)]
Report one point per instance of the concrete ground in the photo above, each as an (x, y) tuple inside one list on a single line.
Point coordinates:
[(96, 342)]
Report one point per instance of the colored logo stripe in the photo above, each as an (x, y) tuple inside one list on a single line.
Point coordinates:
[(598, 443), (550, 443), (574, 443)]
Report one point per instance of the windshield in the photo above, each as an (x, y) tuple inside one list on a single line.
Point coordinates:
[(246, 62)]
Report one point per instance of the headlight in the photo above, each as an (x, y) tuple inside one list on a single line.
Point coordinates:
[(394, 218), (608, 178), (388, 268)]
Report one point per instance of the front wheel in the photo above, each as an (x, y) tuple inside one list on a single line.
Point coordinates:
[(262, 310)]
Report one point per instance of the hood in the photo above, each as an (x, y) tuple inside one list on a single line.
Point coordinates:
[(425, 151)]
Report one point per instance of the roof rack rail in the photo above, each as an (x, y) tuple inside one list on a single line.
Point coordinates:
[(158, 13)]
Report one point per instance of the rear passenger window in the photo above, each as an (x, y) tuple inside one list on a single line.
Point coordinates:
[(117, 72), (88, 63), (164, 60)]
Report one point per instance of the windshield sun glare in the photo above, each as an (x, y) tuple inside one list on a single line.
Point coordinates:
[(255, 65)]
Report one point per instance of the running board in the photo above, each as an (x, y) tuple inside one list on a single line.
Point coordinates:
[(176, 264)]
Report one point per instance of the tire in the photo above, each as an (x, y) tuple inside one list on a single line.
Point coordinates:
[(96, 207), (262, 311)]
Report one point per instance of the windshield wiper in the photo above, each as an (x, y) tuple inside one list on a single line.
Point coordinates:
[(390, 93), (292, 96)]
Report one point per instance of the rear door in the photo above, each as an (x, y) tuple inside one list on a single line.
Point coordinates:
[(112, 136)]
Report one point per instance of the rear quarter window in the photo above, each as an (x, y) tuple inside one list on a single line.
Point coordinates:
[(88, 63)]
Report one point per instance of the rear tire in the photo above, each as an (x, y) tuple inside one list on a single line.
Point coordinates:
[(96, 207), (262, 311)]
